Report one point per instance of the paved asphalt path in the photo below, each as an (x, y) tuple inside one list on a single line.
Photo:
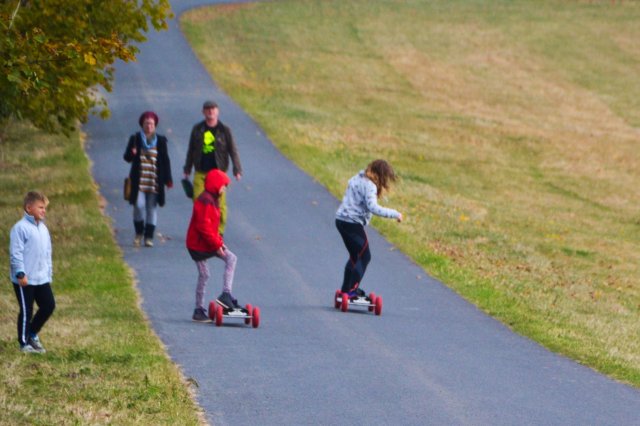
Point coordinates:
[(431, 358)]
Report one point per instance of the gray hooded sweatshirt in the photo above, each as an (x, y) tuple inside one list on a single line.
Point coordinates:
[(360, 202)]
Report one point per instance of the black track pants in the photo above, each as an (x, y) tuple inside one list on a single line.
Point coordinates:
[(28, 323), (357, 244)]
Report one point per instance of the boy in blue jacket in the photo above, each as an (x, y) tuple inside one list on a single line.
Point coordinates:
[(31, 271)]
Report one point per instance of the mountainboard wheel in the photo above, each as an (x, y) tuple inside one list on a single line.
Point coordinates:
[(378, 309), (344, 306), (372, 297), (249, 309), (336, 302), (219, 315), (212, 310), (255, 320)]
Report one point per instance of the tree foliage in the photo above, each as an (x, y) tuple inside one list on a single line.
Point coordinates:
[(57, 53)]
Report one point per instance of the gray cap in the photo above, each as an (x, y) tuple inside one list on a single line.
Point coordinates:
[(209, 104)]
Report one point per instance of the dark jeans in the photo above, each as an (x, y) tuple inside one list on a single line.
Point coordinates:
[(357, 244), (43, 296)]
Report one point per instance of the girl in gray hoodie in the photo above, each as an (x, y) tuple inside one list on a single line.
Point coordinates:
[(359, 204)]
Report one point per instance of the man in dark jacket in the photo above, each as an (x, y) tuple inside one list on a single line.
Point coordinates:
[(211, 145)]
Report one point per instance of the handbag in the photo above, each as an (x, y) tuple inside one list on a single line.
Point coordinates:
[(188, 188), (127, 188)]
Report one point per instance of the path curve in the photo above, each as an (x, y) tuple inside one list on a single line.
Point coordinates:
[(431, 358)]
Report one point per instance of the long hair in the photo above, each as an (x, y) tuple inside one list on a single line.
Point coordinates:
[(382, 174)]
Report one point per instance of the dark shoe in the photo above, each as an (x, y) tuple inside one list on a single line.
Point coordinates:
[(34, 342), (235, 303), (199, 315), (358, 292), (225, 300)]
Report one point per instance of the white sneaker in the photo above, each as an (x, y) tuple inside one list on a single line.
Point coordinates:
[(28, 349), (137, 241)]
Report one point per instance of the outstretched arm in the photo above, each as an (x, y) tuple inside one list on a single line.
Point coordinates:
[(371, 200)]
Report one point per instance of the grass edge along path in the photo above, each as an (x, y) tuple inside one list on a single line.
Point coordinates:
[(104, 364), (511, 126)]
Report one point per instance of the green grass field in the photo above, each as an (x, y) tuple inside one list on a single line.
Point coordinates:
[(103, 363), (514, 126)]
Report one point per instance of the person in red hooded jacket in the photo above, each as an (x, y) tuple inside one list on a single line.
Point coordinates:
[(204, 241)]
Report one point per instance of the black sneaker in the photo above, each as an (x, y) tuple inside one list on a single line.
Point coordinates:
[(199, 315), (35, 343), (357, 293), (225, 300), (235, 303)]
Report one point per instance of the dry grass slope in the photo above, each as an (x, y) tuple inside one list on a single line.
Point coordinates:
[(103, 363), (514, 125)]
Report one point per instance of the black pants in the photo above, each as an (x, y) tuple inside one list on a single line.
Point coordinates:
[(357, 244), (43, 296)]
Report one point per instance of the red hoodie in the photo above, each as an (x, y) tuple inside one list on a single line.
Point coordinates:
[(203, 233)]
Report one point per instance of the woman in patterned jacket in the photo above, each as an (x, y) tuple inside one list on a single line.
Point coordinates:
[(150, 172)]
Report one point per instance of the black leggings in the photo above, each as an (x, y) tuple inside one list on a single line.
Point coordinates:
[(355, 239), (43, 296)]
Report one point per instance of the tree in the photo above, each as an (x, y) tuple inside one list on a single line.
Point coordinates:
[(57, 53)]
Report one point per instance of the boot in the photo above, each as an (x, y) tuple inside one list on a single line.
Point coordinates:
[(139, 227), (149, 230)]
